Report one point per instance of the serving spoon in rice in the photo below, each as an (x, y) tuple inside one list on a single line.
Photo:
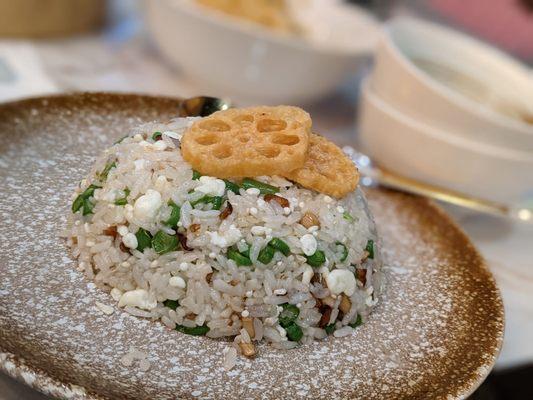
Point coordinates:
[(372, 175)]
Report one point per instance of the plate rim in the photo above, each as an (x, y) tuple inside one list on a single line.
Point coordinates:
[(22, 371)]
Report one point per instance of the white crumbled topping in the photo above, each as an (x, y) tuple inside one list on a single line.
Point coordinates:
[(298, 305), (115, 294), (309, 244), (341, 281), (253, 191), (107, 310), (130, 240), (249, 293), (258, 230), (173, 135), (139, 298), (122, 230), (212, 255), (160, 145), (340, 209), (282, 332), (177, 281), (138, 137), (328, 199), (253, 211), (245, 313), (126, 264), (184, 266), (139, 164), (161, 182), (147, 205), (280, 291), (312, 229), (302, 204), (307, 275), (227, 238), (286, 210), (211, 186), (261, 203)]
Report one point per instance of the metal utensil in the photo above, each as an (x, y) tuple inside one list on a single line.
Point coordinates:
[(202, 106), (372, 176)]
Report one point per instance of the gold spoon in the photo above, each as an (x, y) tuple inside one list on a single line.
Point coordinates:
[(372, 176)]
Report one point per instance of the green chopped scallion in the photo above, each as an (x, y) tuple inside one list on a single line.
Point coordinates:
[(109, 166), (156, 136), (196, 175), (240, 259), (370, 248), (330, 328), (144, 239), (175, 213), (264, 188), (172, 304), (294, 332), (195, 331), (164, 243), (288, 315), (347, 216), (357, 322), (316, 259), (281, 246), (344, 251), (266, 254), (123, 200), (232, 186)]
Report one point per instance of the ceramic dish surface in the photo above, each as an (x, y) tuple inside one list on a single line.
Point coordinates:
[(252, 64), (436, 332), (447, 79)]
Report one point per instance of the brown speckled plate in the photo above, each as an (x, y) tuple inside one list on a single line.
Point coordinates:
[(435, 334)]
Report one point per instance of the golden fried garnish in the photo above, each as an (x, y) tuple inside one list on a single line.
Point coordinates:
[(251, 141), (327, 169)]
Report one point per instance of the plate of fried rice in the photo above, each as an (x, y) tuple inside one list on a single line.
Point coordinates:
[(128, 273)]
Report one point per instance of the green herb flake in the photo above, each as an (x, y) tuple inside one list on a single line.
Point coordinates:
[(215, 201), (344, 250), (144, 239), (317, 259), (370, 248), (266, 254), (294, 332), (172, 304), (232, 186), (164, 243), (357, 322), (280, 246), (240, 259), (330, 328), (109, 166), (123, 200), (264, 188), (288, 315), (175, 213), (157, 136), (194, 331), (196, 175), (347, 216)]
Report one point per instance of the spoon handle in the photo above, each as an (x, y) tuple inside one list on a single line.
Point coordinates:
[(392, 180)]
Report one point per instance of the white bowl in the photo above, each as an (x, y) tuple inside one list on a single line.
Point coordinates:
[(419, 151), (230, 57), (474, 68)]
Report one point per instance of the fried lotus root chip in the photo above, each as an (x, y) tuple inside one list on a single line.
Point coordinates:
[(327, 169), (248, 142)]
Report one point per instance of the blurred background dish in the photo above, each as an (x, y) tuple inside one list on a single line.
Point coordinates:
[(444, 78), (415, 149), (46, 18), (241, 59)]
